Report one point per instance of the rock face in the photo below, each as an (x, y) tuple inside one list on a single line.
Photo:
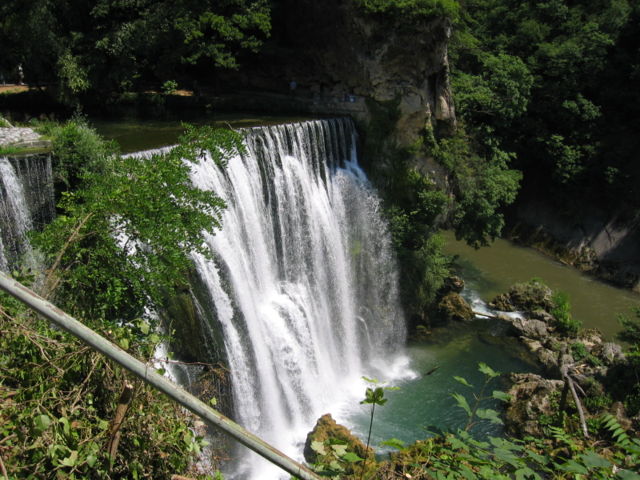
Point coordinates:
[(531, 397), (380, 58), (596, 242), (344, 59), (326, 428)]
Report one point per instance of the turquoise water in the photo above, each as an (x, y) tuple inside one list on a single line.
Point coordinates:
[(426, 402)]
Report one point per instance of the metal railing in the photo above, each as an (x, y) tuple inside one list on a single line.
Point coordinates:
[(149, 375)]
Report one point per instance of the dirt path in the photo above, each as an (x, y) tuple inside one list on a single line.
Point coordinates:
[(13, 88)]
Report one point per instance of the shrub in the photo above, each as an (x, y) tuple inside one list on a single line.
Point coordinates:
[(564, 321)]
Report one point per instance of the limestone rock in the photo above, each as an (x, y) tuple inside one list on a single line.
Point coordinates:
[(534, 329), (524, 297), (530, 398), (327, 428), (454, 307), (610, 353)]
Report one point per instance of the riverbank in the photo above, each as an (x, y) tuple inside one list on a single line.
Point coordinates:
[(603, 244), (492, 270)]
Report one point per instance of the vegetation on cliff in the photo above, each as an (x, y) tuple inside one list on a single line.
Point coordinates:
[(119, 245), (552, 82)]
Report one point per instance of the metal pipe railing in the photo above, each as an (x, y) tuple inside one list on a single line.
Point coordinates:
[(148, 374)]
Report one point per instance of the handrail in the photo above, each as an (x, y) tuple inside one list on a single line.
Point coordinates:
[(149, 375)]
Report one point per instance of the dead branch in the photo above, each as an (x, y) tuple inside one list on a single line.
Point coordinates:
[(121, 411), (3, 470), (564, 370)]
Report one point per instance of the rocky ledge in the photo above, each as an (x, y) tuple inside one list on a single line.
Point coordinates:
[(21, 138), (583, 362)]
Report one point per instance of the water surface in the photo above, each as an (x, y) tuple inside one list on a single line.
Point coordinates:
[(492, 270)]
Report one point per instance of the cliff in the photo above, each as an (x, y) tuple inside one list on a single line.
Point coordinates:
[(332, 57), (595, 241)]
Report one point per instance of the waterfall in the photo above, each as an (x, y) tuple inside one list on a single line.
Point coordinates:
[(26, 202), (304, 281)]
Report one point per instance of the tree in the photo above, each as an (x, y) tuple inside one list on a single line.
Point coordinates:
[(116, 45), (122, 240)]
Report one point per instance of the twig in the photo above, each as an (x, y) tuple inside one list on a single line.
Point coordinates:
[(572, 388), (123, 406), (51, 282), (3, 470)]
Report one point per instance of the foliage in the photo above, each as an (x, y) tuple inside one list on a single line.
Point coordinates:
[(551, 82), (579, 353), (169, 87), (561, 312), (412, 9), (482, 183), (630, 382), (4, 123), (122, 240), (58, 400), (77, 150), (560, 454), (114, 45)]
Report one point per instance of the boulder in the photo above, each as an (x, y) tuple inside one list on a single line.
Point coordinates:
[(453, 307), (534, 329), (610, 353), (525, 297), (531, 398), (327, 428), (452, 284)]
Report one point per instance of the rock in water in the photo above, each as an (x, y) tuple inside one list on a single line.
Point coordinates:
[(454, 307), (328, 429)]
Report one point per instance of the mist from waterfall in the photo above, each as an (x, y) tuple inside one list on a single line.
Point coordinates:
[(304, 281)]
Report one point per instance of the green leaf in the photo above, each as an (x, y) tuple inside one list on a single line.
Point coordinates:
[(144, 328), (463, 381), (462, 402), (318, 447), (66, 428), (627, 475), (393, 443), (339, 449), (573, 467), (502, 396), (487, 370), (91, 460), (213, 402), (41, 423), (71, 460), (124, 343), (351, 457), (488, 414), (593, 460)]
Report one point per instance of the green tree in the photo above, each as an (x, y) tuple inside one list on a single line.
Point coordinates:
[(123, 237), (117, 45)]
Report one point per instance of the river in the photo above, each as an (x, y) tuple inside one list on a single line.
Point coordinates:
[(491, 270)]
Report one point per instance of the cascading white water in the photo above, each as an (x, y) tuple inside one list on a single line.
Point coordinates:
[(26, 202), (14, 214), (304, 282)]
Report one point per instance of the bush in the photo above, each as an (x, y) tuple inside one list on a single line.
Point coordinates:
[(564, 321)]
